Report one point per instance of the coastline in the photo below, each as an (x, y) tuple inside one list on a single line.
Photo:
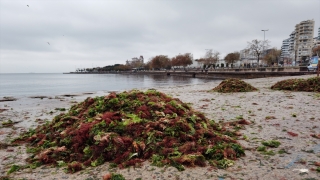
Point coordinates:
[(273, 113)]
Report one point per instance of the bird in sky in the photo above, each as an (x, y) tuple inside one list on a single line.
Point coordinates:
[(28, 5), (48, 43)]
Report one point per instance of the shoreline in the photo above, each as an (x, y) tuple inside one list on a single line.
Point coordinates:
[(274, 113)]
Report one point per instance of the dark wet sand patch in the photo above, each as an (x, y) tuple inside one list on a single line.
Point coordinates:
[(2, 110), (40, 97), (8, 99), (87, 93), (70, 95)]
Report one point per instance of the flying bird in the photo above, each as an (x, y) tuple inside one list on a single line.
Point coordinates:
[(28, 5), (48, 43)]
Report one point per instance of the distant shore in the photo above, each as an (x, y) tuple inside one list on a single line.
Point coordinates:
[(219, 73), (273, 114)]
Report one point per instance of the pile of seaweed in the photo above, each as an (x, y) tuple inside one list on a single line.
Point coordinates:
[(234, 85), (130, 127), (309, 85)]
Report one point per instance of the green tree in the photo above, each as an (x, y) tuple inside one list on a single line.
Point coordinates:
[(122, 67)]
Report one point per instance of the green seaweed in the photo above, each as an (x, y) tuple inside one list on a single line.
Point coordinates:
[(14, 168), (234, 85), (117, 177), (224, 163), (156, 160), (271, 143)]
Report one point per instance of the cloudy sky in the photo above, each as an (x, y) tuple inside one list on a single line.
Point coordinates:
[(61, 35)]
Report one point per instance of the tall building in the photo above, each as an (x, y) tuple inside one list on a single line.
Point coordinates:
[(285, 48), (316, 42), (291, 45), (303, 41), (319, 33)]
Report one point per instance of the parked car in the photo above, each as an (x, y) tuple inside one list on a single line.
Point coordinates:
[(313, 65)]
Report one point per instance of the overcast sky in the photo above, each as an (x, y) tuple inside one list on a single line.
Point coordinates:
[(57, 36)]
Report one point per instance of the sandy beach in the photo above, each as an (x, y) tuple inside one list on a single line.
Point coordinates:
[(288, 117)]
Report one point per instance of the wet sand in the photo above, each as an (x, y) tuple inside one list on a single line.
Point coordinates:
[(274, 114)]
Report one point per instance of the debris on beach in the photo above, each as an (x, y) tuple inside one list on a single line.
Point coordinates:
[(129, 128), (234, 85), (113, 176), (292, 133), (271, 143), (315, 136), (309, 85), (9, 123)]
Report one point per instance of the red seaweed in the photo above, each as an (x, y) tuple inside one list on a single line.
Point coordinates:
[(129, 128)]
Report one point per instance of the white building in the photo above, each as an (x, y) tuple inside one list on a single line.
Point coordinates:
[(135, 62), (304, 39), (316, 42), (247, 56), (291, 45), (285, 48)]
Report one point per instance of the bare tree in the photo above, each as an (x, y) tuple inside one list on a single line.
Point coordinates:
[(201, 61), (211, 57), (232, 58), (258, 46), (272, 56), (216, 57)]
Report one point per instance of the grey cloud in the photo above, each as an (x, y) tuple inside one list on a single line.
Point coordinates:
[(82, 33)]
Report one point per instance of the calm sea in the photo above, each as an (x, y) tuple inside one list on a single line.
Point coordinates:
[(38, 84)]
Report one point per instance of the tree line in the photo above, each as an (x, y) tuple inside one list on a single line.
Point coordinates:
[(256, 48)]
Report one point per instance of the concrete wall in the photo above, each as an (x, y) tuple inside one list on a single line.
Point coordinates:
[(264, 69)]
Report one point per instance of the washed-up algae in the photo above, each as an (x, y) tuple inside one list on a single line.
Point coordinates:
[(309, 85), (129, 128), (234, 85)]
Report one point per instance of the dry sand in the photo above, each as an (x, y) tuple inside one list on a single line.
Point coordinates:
[(273, 113)]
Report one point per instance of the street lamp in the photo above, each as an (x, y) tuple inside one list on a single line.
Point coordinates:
[(264, 38), (264, 34)]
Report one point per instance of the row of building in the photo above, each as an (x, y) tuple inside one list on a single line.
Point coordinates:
[(299, 45), (295, 49)]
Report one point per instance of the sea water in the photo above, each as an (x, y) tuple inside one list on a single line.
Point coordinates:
[(48, 84)]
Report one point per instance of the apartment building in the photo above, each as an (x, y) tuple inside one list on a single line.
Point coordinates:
[(303, 40), (291, 44), (285, 48)]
